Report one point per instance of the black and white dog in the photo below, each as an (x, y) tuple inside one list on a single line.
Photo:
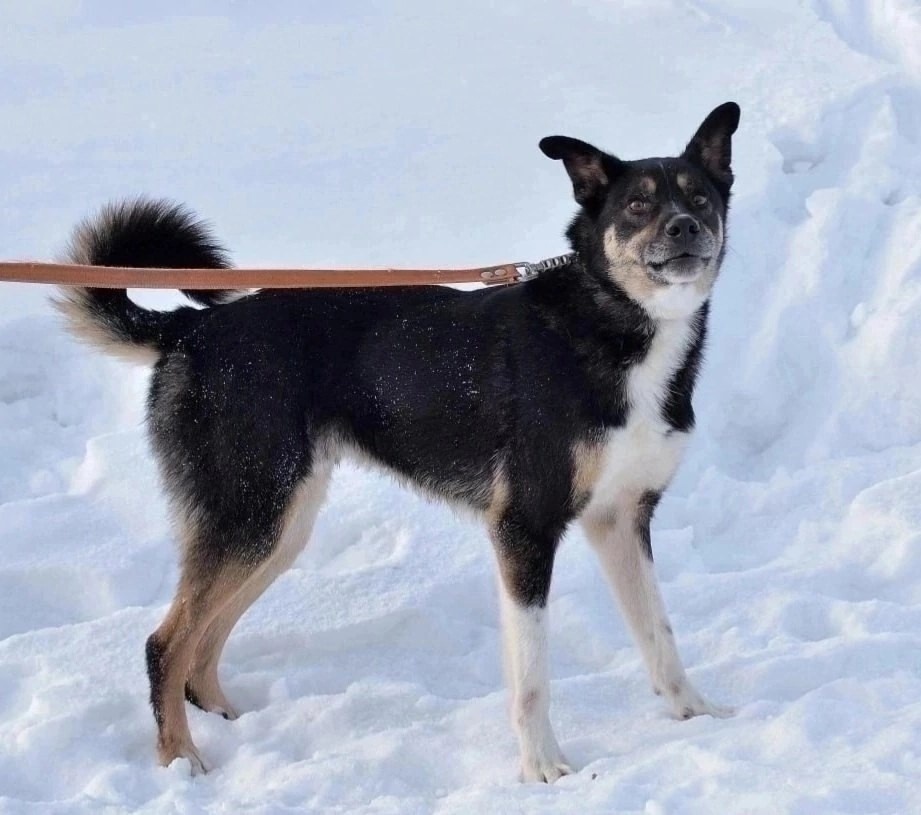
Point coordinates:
[(566, 397)]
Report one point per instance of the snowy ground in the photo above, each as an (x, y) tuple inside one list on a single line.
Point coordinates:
[(789, 549)]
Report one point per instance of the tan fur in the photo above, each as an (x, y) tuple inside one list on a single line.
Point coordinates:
[(199, 598), (500, 495), (206, 607), (628, 269), (74, 305), (296, 528), (586, 469)]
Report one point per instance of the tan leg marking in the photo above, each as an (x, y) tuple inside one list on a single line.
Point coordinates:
[(197, 601), (203, 683), (498, 500), (587, 460)]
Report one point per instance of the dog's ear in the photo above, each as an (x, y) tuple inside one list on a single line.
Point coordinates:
[(711, 147), (590, 170)]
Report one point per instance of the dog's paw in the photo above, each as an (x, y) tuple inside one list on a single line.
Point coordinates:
[(705, 709), (686, 703), (224, 709), (197, 764), (211, 702), (187, 751), (544, 769)]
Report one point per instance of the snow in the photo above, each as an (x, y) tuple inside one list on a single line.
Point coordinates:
[(405, 133)]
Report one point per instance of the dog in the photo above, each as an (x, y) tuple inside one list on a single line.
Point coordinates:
[(563, 398)]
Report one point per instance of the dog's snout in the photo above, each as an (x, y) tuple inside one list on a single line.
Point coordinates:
[(682, 227)]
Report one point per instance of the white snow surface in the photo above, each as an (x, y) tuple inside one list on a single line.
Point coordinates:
[(789, 547)]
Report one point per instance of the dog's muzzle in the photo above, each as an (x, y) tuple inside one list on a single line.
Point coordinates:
[(682, 268)]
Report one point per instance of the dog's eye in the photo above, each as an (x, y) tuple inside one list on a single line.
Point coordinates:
[(699, 200), (638, 205)]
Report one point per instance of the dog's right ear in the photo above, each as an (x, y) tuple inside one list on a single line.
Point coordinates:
[(590, 169), (711, 146)]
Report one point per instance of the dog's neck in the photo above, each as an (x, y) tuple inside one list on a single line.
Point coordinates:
[(611, 334), (590, 269)]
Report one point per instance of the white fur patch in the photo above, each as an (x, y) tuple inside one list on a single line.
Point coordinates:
[(632, 576), (676, 301), (525, 636), (644, 454)]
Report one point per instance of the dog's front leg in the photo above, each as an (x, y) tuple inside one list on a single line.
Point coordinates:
[(621, 537), (525, 566)]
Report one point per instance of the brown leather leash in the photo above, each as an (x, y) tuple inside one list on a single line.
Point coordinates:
[(129, 277)]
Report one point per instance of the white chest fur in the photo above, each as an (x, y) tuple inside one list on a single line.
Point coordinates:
[(644, 454)]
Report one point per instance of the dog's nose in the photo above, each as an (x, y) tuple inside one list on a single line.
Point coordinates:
[(682, 226)]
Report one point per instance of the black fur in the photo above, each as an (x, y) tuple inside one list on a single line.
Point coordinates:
[(438, 385), (155, 655), (645, 510), (678, 410), (155, 234)]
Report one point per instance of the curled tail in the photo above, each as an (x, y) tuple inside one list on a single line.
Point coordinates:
[(137, 233)]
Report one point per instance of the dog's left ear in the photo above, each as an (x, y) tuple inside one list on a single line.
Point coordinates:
[(590, 169), (711, 147)]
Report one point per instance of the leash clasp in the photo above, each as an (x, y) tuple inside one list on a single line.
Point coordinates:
[(526, 271), (523, 270)]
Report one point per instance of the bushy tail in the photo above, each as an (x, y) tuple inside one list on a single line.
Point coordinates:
[(137, 233)]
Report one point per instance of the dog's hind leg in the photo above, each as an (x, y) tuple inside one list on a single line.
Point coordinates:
[(525, 565), (202, 686), (204, 587), (621, 537)]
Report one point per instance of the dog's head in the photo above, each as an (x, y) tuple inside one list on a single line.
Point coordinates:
[(656, 226)]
